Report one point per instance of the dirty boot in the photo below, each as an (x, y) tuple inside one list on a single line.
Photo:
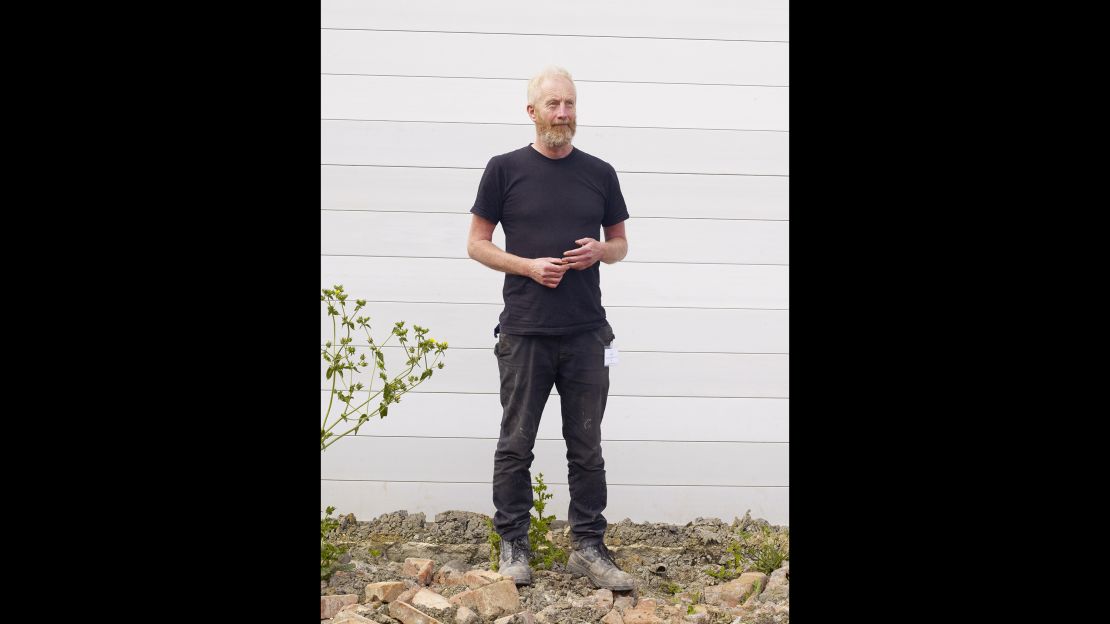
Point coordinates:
[(596, 563), (514, 560)]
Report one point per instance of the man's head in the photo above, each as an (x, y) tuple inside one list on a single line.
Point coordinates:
[(551, 106)]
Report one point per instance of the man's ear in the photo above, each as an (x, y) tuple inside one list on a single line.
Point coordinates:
[(531, 110)]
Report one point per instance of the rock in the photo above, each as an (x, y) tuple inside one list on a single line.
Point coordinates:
[(409, 614), (473, 553), (350, 617), (493, 600), (384, 592), (604, 599), (549, 615), (407, 595), (524, 617), (430, 599), (642, 613), (420, 568), (451, 573), (355, 608), (613, 617), (623, 600), (732, 593), (355, 614), (778, 587), (330, 605), (708, 537), (466, 616), (477, 578)]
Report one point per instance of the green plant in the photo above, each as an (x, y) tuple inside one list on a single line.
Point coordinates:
[(757, 588), (342, 368), (763, 551), (494, 546), (544, 552), (733, 567), (329, 552), (670, 588)]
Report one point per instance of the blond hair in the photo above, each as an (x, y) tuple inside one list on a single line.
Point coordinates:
[(551, 71)]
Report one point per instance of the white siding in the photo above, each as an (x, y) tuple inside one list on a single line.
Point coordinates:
[(655, 196), (691, 108)]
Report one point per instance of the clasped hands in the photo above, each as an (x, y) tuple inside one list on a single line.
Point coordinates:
[(549, 271)]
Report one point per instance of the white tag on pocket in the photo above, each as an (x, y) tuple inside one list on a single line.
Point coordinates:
[(611, 356)]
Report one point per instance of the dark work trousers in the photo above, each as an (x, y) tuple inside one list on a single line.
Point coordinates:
[(529, 366)]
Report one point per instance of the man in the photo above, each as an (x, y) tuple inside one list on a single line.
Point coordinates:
[(552, 201)]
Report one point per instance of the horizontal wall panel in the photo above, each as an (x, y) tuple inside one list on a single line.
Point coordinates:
[(637, 374), (675, 505), (438, 235), (626, 149), (521, 57), (626, 418), (622, 284), (647, 194), (599, 104), (721, 19), (637, 329), (436, 459)]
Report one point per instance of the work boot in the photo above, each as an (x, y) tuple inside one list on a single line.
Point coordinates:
[(514, 560), (595, 562)]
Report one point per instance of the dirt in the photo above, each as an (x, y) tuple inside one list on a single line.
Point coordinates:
[(670, 562)]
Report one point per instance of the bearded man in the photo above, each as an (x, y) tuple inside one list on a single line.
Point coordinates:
[(552, 200)]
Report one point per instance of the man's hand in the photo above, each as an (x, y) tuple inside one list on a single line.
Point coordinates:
[(547, 271), (586, 256)]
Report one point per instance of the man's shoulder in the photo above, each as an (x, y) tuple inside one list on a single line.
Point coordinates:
[(592, 161), (508, 157)]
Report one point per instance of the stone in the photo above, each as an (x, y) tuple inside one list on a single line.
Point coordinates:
[(733, 592), (604, 599), (350, 617), (613, 617), (493, 600), (409, 614), (384, 592), (407, 595), (430, 599), (466, 616), (330, 605), (642, 613), (477, 578), (451, 573), (623, 600), (420, 568), (524, 617)]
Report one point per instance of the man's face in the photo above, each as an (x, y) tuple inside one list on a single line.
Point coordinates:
[(554, 112)]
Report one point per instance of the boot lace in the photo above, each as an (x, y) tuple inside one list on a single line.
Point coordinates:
[(518, 550)]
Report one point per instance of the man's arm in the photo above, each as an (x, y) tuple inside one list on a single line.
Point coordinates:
[(479, 246), (614, 249)]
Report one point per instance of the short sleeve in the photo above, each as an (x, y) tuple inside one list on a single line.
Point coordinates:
[(490, 199), (615, 210)]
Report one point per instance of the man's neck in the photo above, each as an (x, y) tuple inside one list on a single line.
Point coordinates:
[(553, 153)]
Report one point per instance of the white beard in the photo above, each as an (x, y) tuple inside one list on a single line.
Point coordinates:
[(555, 137)]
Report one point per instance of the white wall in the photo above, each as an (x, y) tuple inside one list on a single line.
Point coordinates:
[(691, 108)]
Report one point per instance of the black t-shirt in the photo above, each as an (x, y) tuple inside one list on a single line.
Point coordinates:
[(544, 205)]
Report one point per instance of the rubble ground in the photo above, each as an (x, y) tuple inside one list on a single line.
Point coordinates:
[(670, 564)]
